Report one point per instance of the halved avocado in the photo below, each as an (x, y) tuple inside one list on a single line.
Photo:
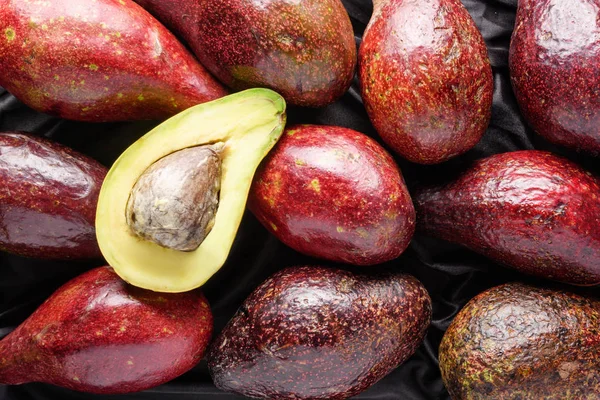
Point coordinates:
[(249, 123)]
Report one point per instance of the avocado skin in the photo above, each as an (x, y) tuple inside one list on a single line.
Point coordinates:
[(426, 78), (531, 210), (48, 199), (97, 61), (317, 333), (554, 62), (302, 49), (97, 334), (334, 193), (517, 341)]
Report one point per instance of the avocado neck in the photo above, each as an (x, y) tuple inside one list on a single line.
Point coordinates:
[(17, 364)]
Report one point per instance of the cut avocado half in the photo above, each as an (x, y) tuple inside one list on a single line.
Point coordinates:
[(247, 124)]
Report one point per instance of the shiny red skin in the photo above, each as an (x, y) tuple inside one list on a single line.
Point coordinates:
[(425, 77), (334, 193), (48, 199), (97, 334), (554, 62), (302, 49), (319, 333), (532, 210), (97, 61)]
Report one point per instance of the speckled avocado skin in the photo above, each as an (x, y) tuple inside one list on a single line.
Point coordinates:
[(97, 61), (48, 197), (97, 334), (334, 193), (318, 333), (554, 64), (425, 77), (302, 49), (531, 210), (517, 341)]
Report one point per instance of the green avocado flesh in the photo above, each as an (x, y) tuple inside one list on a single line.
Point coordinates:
[(249, 123)]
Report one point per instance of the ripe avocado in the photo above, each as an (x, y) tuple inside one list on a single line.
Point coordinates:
[(244, 127), (517, 341), (554, 62), (312, 332), (334, 193), (531, 210)]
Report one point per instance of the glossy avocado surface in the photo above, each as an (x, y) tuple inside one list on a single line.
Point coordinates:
[(452, 274)]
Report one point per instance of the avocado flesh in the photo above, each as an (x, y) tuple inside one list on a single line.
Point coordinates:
[(249, 123)]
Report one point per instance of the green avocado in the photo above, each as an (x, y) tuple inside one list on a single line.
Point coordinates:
[(237, 130)]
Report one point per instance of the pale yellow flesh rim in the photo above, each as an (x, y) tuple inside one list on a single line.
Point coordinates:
[(142, 263)]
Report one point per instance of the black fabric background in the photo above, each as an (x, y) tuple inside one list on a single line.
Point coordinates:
[(452, 274)]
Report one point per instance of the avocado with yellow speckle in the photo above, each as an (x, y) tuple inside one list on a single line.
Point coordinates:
[(518, 341), (170, 206), (97, 61), (303, 49)]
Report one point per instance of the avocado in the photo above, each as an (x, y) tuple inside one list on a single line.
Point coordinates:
[(312, 332), (517, 341), (97, 61), (334, 193), (97, 334), (531, 210), (426, 78), (241, 128), (48, 196), (554, 61), (303, 49)]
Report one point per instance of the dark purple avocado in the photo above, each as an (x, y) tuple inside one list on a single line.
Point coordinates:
[(532, 210), (302, 49), (517, 341), (48, 199), (318, 333), (554, 64)]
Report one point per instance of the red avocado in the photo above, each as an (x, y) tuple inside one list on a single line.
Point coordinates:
[(48, 199), (554, 62), (316, 333), (302, 49), (529, 209), (334, 193), (98, 334), (97, 61), (425, 77)]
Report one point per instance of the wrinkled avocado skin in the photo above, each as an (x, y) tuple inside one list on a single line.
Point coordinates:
[(517, 341)]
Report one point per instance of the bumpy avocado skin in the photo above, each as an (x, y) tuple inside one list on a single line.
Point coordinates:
[(517, 341), (320, 333), (530, 210)]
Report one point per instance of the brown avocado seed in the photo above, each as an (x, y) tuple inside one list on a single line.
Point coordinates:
[(174, 202)]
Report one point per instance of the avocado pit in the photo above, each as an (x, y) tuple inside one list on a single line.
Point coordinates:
[(174, 202)]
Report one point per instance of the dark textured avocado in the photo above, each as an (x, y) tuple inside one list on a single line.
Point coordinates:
[(532, 210), (319, 333), (302, 49), (522, 342)]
